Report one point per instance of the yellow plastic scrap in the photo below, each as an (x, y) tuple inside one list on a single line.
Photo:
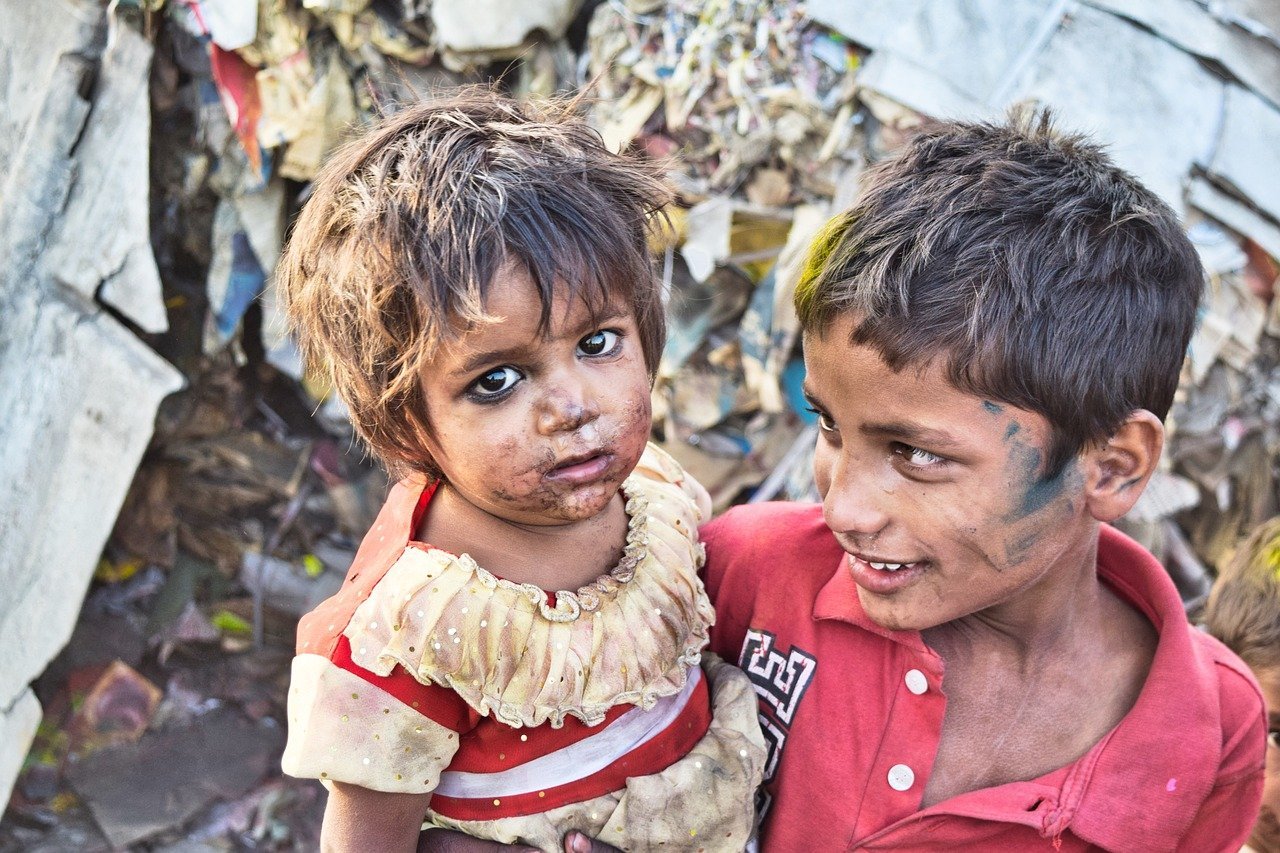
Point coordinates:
[(229, 623), (109, 572), (312, 566), (755, 241), (669, 230)]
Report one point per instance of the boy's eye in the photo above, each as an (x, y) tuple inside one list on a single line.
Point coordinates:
[(496, 381), (598, 342), (917, 457), (824, 422), (1273, 738)]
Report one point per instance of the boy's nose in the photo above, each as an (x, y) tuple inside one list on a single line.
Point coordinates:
[(852, 503)]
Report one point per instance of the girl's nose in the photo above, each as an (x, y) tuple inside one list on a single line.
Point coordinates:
[(565, 409)]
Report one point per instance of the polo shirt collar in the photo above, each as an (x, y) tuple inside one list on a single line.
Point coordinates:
[(1169, 741)]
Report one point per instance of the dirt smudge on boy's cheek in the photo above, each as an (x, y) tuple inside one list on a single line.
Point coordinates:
[(993, 408), (1041, 494), (1018, 547), (1043, 491), (1013, 429), (1023, 467)]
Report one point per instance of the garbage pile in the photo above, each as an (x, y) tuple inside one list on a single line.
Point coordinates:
[(250, 499)]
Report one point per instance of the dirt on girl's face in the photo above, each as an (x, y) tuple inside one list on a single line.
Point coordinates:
[(535, 426), (939, 497)]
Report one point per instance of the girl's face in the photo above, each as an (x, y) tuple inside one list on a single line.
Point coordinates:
[(1266, 832), (539, 427)]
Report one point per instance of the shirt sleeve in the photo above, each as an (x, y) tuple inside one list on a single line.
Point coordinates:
[(1227, 816), (385, 733)]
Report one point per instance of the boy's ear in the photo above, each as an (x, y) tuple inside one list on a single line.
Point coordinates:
[(1117, 470)]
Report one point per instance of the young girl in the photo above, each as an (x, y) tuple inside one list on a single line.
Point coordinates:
[(516, 650), (1244, 612)]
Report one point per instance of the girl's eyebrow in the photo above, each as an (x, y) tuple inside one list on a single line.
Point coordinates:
[(612, 311), (480, 358)]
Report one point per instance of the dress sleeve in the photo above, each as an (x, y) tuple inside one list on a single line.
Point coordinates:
[(382, 732), (1226, 817)]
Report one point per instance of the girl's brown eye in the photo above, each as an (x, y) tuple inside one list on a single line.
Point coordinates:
[(495, 381), (598, 342)]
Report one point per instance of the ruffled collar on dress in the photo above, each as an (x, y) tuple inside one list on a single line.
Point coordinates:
[(507, 650)]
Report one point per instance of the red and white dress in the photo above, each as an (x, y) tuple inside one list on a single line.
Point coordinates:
[(527, 714)]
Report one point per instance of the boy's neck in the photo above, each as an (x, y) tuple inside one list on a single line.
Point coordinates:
[(1030, 629), (1044, 687), (553, 557)]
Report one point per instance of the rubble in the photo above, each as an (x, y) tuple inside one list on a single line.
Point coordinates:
[(153, 155)]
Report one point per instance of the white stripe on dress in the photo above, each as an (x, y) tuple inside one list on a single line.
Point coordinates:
[(577, 760)]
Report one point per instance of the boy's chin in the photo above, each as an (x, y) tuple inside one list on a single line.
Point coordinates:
[(897, 615)]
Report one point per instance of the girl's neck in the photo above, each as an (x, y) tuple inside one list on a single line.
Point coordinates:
[(553, 557)]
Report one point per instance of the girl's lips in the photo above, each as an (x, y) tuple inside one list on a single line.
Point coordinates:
[(884, 581), (583, 471)]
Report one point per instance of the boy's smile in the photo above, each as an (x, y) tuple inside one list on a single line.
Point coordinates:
[(938, 497), (539, 427)]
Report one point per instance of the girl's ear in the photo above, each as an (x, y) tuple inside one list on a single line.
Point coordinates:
[(1117, 469)]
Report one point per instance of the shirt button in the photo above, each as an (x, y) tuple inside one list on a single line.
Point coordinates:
[(916, 682), (901, 777)]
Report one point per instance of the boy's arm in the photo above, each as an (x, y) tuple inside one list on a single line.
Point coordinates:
[(358, 819)]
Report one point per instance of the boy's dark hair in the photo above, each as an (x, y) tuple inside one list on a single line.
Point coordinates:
[(407, 225), (1045, 276), (1244, 605)]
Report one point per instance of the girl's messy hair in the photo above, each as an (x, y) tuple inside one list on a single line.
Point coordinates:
[(407, 225)]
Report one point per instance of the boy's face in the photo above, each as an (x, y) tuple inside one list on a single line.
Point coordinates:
[(949, 487), (539, 429)]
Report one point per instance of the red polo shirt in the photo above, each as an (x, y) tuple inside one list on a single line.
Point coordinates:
[(853, 713)]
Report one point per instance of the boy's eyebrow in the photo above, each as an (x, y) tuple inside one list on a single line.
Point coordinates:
[(910, 433)]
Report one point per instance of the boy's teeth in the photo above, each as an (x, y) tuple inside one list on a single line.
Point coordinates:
[(891, 567)]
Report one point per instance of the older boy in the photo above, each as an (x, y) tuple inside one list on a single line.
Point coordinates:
[(954, 651)]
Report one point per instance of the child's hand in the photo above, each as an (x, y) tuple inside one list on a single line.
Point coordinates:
[(576, 842), (448, 841)]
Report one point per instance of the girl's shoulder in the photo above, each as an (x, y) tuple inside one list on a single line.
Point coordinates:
[(657, 466)]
